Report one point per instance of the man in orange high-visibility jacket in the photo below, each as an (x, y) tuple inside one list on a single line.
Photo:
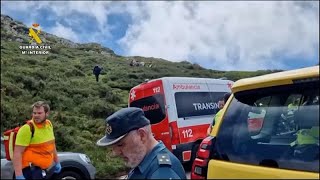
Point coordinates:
[(33, 155)]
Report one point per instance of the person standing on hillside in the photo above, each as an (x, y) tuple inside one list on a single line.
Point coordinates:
[(34, 154), (128, 132), (217, 117), (96, 71)]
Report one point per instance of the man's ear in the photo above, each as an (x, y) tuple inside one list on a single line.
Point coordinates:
[(143, 135)]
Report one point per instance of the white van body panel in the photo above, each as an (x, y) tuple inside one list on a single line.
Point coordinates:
[(180, 84)]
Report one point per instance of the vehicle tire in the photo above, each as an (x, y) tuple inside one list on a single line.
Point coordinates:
[(68, 175)]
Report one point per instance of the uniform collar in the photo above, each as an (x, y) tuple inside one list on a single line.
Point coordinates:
[(145, 163)]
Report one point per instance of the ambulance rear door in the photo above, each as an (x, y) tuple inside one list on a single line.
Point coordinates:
[(150, 98)]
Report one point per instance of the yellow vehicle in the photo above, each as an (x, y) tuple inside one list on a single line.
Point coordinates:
[(283, 147)]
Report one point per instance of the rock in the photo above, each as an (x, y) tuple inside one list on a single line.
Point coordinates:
[(104, 53), (19, 40)]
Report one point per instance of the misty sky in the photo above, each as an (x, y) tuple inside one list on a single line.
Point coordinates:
[(247, 35)]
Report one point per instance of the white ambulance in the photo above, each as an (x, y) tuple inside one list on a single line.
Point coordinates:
[(180, 110)]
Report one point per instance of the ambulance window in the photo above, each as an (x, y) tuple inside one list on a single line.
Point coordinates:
[(197, 103), (153, 107)]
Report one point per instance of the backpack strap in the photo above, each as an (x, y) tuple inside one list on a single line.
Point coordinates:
[(31, 128), (49, 122)]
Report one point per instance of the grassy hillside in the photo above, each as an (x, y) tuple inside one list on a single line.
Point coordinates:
[(79, 104)]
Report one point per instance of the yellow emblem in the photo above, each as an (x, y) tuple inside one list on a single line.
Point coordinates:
[(108, 129), (34, 35)]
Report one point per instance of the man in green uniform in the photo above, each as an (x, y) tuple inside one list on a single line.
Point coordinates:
[(128, 132)]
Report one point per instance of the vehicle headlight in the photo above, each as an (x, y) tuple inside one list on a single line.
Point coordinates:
[(85, 158)]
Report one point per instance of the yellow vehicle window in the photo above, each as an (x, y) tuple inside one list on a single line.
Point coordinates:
[(261, 128)]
